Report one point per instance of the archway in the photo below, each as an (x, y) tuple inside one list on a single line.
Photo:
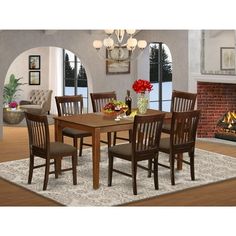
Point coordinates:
[(13, 43)]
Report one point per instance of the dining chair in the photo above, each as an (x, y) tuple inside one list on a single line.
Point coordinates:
[(40, 146), (144, 146), (68, 106), (180, 102), (99, 100), (181, 140)]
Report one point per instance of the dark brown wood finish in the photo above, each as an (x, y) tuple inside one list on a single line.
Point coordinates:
[(99, 100), (40, 146), (182, 139), (180, 101), (144, 146), (96, 123), (68, 106)]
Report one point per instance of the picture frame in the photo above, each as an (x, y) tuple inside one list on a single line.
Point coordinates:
[(118, 61), (227, 58), (34, 62), (34, 77)]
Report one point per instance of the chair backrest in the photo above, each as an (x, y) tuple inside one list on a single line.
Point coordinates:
[(146, 135), (38, 132), (69, 105), (182, 101), (183, 130), (99, 100)]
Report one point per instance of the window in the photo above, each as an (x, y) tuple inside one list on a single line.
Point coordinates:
[(74, 77), (161, 79)]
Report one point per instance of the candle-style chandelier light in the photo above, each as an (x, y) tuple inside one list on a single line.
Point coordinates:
[(120, 44)]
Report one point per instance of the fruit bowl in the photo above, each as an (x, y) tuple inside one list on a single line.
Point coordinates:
[(109, 112), (109, 108)]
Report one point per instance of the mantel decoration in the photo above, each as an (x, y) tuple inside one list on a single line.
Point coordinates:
[(141, 87), (120, 44)]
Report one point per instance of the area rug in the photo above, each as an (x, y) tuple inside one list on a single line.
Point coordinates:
[(209, 167)]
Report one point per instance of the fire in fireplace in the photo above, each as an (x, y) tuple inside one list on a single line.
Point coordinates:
[(227, 126)]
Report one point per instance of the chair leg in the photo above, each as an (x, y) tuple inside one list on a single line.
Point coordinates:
[(114, 138), (149, 168), (110, 169), (74, 172), (191, 155), (134, 174), (109, 139), (31, 168), (46, 174), (172, 168), (81, 146), (75, 143), (56, 167), (130, 135), (179, 161), (156, 182)]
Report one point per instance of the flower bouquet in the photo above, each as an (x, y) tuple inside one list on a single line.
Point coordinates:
[(141, 86)]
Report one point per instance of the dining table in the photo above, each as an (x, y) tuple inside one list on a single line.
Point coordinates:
[(97, 123)]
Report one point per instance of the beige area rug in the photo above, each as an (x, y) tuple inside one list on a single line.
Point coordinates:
[(209, 167)]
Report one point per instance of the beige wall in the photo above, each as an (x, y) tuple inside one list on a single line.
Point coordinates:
[(14, 42)]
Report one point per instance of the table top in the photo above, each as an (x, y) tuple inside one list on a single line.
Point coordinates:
[(99, 119)]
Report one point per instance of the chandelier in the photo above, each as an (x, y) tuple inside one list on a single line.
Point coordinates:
[(120, 44)]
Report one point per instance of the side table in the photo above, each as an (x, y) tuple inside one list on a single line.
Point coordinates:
[(11, 116)]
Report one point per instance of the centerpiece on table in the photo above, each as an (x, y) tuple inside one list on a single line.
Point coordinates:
[(114, 107), (141, 86)]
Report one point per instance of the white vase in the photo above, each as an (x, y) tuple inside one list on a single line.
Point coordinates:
[(142, 103)]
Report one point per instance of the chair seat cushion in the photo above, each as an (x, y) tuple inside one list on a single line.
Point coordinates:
[(61, 149), (123, 151), (75, 133), (166, 128), (164, 144)]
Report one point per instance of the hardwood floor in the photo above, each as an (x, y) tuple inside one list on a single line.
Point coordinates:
[(15, 146)]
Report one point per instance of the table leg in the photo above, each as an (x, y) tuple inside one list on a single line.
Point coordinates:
[(96, 156), (57, 131)]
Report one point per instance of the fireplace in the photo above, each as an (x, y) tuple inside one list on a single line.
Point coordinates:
[(215, 100), (227, 126)]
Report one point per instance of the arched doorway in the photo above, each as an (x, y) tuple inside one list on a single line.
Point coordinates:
[(51, 73), (160, 62)]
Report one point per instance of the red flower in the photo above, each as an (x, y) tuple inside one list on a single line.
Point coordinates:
[(140, 86), (13, 104)]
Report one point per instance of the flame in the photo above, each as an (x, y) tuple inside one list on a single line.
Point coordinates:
[(229, 118)]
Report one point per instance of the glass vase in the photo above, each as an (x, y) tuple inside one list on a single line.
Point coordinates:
[(142, 103)]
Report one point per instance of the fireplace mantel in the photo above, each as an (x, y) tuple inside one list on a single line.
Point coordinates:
[(195, 78)]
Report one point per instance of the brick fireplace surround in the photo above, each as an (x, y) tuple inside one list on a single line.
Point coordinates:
[(214, 100)]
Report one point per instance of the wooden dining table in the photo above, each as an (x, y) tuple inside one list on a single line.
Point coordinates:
[(96, 123)]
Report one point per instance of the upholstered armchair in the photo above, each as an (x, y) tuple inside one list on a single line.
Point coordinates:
[(39, 102)]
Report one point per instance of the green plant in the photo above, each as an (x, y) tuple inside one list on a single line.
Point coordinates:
[(10, 89)]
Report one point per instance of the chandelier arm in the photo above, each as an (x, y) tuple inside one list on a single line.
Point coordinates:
[(119, 46)]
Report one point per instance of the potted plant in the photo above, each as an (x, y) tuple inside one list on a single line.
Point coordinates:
[(10, 89)]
